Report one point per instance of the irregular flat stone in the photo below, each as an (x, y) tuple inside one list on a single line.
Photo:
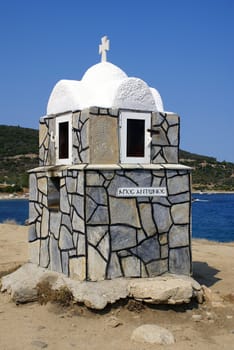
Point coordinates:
[(114, 269), (152, 334), (131, 266), (146, 218), (122, 237), (179, 260), (96, 266), (147, 250), (162, 289), (65, 238), (178, 184), (99, 216), (179, 236), (55, 257), (162, 217), (171, 289), (180, 213), (124, 211)]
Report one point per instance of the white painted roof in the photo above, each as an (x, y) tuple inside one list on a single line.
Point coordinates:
[(103, 85)]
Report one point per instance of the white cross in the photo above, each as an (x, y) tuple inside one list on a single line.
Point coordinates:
[(103, 47)]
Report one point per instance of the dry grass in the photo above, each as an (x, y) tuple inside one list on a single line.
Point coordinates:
[(229, 297), (135, 306), (61, 296)]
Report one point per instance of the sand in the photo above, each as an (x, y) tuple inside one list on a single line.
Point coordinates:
[(206, 326)]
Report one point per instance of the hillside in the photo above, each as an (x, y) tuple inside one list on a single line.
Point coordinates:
[(208, 174), (19, 153)]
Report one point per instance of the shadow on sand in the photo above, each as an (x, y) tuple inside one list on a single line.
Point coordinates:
[(205, 274)]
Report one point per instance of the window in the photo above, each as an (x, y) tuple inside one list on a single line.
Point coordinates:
[(53, 193), (63, 140), (134, 137)]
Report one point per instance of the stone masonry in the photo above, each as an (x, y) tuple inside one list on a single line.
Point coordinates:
[(95, 137), (82, 226), (97, 235)]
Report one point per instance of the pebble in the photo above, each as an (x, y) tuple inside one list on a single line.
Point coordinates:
[(197, 318), (113, 322), (39, 344)]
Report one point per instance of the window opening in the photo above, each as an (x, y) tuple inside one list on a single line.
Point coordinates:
[(64, 140), (53, 193), (135, 138)]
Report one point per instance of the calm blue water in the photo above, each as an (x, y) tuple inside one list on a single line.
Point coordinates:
[(213, 215), (16, 209)]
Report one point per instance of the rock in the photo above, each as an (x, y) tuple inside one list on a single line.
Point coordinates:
[(197, 318), (152, 334), (167, 289), (211, 316), (207, 293), (113, 322), (39, 344), (199, 296)]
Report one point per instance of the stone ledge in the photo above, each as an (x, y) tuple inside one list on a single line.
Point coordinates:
[(108, 166), (166, 289)]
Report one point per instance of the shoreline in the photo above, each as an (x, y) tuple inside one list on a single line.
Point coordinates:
[(6, 196), (212, 192), (9, 196), (193, 239)]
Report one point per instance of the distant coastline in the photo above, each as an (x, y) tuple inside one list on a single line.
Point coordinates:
[(212, 192), (9, 196)]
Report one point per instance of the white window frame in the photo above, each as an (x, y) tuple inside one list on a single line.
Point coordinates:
[(124, 116), (63, 119)]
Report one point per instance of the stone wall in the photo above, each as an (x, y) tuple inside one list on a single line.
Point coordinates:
[(93, 234), (165, 138), (95, 137)]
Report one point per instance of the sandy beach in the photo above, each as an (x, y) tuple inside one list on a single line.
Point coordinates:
[(206, 326)]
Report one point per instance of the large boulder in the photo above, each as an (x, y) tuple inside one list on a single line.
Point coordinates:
[(169, 289), (152, 334)]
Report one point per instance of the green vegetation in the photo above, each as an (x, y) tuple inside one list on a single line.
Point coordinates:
[(19, 153), (208, 174), (15, 140)]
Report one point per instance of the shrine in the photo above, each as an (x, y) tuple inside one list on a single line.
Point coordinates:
[(109, 198)]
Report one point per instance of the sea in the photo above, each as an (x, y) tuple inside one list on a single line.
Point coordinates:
[(212, 215)]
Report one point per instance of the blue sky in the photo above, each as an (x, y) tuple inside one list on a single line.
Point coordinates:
[(183, 48)]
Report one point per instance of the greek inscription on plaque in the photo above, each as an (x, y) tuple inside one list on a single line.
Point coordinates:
[(141, 191)]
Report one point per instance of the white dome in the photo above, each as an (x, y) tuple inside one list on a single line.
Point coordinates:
[(65, 96), (102, 73), (157, 99), (103, 85), (134, 93)]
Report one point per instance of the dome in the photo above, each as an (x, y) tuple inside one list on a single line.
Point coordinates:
[(157, 99), (134, 93), (65, 96), (103, 72), (103, 85)]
